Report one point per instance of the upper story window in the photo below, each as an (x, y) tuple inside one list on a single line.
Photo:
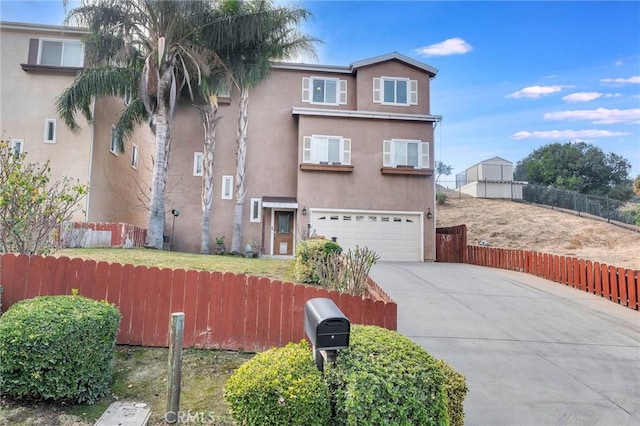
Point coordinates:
[(115, 142), (135, 153), (324, 91), (61, 53), (50, 130), (406, 153), (333, 150), (395, 91)]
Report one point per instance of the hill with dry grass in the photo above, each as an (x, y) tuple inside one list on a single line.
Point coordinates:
[(508, 224)]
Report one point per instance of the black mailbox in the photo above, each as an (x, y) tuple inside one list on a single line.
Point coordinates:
[(327, 329)]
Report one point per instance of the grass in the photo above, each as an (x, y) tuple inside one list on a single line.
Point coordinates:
[(140, 374), (281, 269)]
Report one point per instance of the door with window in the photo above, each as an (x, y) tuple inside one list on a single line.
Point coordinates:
[(283, 233)]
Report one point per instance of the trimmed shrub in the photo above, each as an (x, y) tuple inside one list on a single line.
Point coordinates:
[(441, 198), (455, 386), (58, 348), (281, 386), (308, 252), (385, 378)]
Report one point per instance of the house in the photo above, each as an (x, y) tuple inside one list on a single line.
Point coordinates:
[(492, 178), (344, 152)]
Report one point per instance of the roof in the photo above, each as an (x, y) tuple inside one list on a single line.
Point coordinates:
[(397, 57), (350, 69), (42, 27)]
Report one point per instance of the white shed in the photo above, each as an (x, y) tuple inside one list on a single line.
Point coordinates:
[(492, 178)]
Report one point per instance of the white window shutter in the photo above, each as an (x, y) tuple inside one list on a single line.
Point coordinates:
[(413, 92), (376, 90), (343, 92), (425, 155), (306, 89), (346, 151), (386, 154), (306, 149)]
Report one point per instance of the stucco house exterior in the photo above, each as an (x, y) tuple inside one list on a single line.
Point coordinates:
[(491, 178), (345, 152)]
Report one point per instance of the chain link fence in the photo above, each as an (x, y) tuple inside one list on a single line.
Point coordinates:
[(604, 207)]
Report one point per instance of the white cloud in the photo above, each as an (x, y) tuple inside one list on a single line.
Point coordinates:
[(567, 134), (588, 96), (597, 116), (619, 63), (631, 80), (535, 92), (452, 46)]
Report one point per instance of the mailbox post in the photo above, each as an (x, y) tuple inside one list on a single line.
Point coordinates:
[(327, 329)]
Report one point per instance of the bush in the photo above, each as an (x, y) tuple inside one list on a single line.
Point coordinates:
[(346, 272), (281, 386), (58, 348), (307, 254), (385, 378), (455, 386), (441, 198)]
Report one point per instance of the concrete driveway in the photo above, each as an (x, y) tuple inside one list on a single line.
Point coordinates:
[(534, 352)]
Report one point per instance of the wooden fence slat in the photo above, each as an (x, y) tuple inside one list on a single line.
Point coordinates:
[(101, 281), (576, 272), (590, 280), (606, 288), (236, 315), (583, 275), (263, 312), (87, 281), (622, 286), (177, 293), (190, 307), (597, 278), (281, 313), (60, 280), (127, 299), (613, 283), (250, 334), (215, 320), (299, 300), (34, 275), (202, 323), (150, 306), (633, 287), (163, 308)]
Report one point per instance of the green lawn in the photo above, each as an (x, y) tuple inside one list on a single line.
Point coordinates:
[(280, 269)]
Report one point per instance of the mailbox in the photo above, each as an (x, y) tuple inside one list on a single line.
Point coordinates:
[(327, 329)]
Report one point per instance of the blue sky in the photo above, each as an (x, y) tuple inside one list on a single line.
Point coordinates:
[(513, 76)]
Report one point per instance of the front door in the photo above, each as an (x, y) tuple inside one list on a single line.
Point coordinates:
[(283, 238)]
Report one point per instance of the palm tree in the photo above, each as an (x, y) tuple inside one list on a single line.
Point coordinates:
[(146, 48), (249, 63)]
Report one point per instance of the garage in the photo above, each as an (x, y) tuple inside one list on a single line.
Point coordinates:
[(394, 236)]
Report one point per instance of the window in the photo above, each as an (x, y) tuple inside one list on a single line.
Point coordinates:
[(224, 91), (65, 53), (134, 156), (50, 130), (115, 141), (256, 210), (198, 164), (395, 91), (17, 146), (406, 153), (327, 91), (227, 187), (333, 150)]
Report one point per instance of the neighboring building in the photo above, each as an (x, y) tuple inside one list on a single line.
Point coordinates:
[(492, 178), (340, 151)]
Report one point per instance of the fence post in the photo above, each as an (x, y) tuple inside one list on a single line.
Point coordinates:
[(176, 335)]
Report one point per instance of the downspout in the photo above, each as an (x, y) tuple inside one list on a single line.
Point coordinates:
[(91, 142)]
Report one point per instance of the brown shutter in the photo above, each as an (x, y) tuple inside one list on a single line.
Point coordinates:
[(33, 51)]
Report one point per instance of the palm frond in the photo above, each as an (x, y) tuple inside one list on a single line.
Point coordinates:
[(133, 115)]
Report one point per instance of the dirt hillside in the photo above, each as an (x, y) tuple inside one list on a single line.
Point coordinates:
[(507, 224)]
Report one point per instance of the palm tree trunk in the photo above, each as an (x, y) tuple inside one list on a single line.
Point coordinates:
[(155, 230), (209, 119), (241, 170)]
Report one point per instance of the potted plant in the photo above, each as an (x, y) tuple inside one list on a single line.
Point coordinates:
[(219, 248)]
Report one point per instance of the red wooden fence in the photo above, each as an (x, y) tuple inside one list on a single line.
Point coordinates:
[(222, 311), (619, 285), (101, 234)]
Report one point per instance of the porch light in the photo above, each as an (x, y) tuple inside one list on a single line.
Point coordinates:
[(429, 214), (304, 211)]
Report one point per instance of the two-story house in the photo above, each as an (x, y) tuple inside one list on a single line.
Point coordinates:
[(345, 152)]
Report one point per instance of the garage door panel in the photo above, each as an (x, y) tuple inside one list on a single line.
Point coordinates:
[(391, 236)]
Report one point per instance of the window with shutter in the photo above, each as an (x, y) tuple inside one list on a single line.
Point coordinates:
[(395, 91), (329, 150), (324, 91), (405, 153)]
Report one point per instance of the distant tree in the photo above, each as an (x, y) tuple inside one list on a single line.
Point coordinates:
[(636, 186), (442, 169), (578, 167)]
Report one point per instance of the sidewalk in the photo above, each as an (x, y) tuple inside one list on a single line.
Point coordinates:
[(534, 352)]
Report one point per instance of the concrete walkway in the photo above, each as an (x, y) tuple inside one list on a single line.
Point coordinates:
[(534, 352)]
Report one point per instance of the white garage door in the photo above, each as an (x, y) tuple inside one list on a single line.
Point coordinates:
[(392, 235)]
